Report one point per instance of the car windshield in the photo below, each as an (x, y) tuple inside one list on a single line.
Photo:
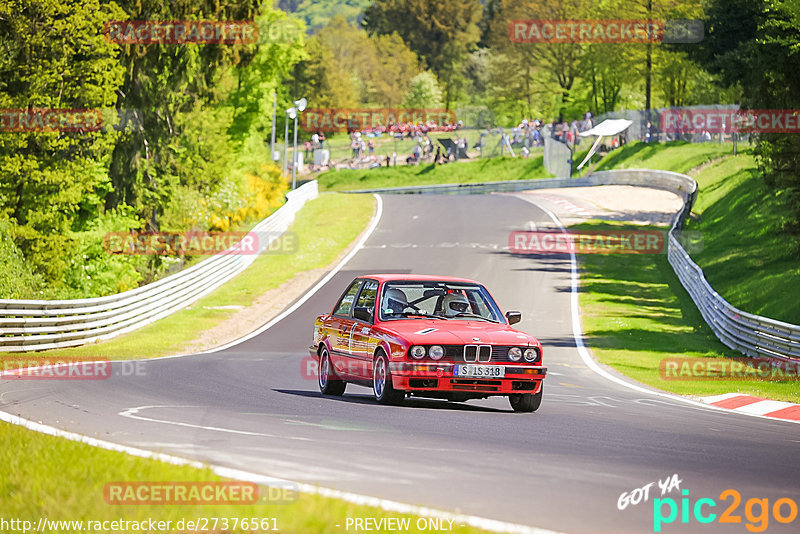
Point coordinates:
[(447, 300)]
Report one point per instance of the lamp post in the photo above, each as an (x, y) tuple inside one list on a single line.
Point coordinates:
[(272, 142), (290, 114), (300, 106)]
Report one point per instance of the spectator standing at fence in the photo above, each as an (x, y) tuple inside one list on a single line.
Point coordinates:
[(586, 123)]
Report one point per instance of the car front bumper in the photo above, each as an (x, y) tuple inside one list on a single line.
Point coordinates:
[(440, 377)]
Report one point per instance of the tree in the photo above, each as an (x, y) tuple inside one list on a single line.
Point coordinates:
[(754, 43), (676, 76), (552, 63), (424, 93), (54, 55), (396, 67), (607, 69), (441, 33), (662, 10), (346, 67), (162, 81)]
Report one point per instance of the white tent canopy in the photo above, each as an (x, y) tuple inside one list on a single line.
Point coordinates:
[(608, 127), (604, 129)]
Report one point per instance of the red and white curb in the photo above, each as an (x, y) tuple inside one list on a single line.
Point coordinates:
[(755, 406)]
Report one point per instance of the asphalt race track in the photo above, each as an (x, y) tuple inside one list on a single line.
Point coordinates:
[(562, 468)]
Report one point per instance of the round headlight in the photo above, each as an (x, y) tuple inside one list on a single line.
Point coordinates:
[(436, 352), (514, 354), (531, 355), (417, 352)]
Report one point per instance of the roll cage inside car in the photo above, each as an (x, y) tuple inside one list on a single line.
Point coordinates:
[(425, 299)]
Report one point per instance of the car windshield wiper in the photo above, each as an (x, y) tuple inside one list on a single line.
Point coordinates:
[(475, 315)]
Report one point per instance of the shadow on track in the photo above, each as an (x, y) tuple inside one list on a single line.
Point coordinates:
[(417, 403)]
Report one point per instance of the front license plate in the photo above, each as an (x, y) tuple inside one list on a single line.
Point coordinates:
[(480, 371)]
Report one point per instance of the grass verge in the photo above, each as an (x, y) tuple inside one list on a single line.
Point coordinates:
[(43, 486), (676, 156), (746, 257), (636, 312), (320, 237), (494, 169)]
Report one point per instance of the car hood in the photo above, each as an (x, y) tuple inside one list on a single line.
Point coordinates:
[(457, 332)]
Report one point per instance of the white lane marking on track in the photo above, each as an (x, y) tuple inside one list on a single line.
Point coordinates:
[(133, 413), (247, 476), (577, 334)]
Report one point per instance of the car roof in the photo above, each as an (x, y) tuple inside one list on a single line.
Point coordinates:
[(417, 278)]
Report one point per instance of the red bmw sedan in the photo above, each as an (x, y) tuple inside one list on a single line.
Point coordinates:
[(426, 336)]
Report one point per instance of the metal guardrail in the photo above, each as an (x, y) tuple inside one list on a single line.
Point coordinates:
[(749, 334), (670, 181), (27, 325)]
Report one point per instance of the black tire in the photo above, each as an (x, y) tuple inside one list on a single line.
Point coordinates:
[(382, 387), (525, 402), (329, 382)]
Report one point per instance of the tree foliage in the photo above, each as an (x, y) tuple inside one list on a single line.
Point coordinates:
[(54, 56), (348, 68), (756, 44), (441, 33), (183, 135), (424, 93)]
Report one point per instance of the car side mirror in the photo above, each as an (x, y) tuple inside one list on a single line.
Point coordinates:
[(513, 317), (362, 313)]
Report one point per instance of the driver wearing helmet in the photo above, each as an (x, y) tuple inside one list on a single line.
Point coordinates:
[(395, 301), (455, 303)]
